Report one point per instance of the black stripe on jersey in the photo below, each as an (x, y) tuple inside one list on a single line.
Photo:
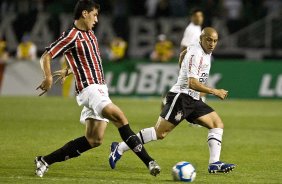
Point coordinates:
[(79, 68), (88, 60), (212, 138), (64, 35), (76, 88), (100, 68), (68, 47), (97, 55), (98, 60), (95, 61), (79, 35), (102, 72)]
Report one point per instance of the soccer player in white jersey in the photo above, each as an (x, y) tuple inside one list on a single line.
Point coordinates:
[(183, 102), (193, 30), (192, 35), (80, 47)]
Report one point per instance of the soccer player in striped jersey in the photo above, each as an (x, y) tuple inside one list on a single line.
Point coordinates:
[(80, 48), (183, 102)]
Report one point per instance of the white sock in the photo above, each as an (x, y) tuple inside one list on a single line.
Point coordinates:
[(214, 142), (145, 135)]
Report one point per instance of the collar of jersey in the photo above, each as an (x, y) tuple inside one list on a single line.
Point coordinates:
[(199, 45), (78, 28)]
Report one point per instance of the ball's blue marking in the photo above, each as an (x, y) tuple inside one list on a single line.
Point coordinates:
[(180, 174)]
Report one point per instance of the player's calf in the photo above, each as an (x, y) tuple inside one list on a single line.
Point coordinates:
[(95, 130), (72, 149)]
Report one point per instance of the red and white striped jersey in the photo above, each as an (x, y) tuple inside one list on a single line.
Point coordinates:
[(196, 64), (81, 51)]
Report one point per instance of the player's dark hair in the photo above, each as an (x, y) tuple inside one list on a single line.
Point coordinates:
[(82, 5), (195, 10)]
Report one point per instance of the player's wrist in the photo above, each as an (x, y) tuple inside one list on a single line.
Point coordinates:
[(213, 91), (48, 77)]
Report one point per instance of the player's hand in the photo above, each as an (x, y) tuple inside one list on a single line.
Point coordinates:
[(61, 74), (221, 93), (45, 85)]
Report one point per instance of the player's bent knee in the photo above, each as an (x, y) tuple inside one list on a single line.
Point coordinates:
[(217, 124), (94, 142), (97, 143), (113, 113), (220, 125), (161, 135)]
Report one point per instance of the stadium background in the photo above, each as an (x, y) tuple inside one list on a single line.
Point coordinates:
[(249, 47), (247, 62)]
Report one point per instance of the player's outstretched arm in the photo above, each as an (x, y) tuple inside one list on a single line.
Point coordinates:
[(196, 85), (47, 75), (181, 57)]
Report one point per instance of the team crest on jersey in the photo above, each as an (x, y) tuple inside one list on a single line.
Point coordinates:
[(178, 116)]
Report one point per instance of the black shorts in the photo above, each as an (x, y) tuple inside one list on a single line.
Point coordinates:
[(180, 106)]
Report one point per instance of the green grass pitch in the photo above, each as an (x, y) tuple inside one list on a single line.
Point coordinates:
[(31, 126)]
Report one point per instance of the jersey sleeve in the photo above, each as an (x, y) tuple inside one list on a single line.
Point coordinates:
[(193, 64), (62, 44)]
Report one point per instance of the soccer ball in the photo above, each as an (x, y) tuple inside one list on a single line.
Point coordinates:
[(184, 171)]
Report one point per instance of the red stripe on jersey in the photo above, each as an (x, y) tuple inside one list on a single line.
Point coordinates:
[(82, 57), (200, 65), (94, 60), (71, 61), (61, 44)]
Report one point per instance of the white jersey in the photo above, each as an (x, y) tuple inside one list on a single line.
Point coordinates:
[(191, 35), (196, 64)]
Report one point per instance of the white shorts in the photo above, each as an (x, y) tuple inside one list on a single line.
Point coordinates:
[(94, 98)]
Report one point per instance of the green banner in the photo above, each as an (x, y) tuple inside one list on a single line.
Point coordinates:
[(241, 79), (249, 79)]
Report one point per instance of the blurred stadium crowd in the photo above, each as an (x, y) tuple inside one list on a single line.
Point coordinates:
[(236, 15), (135, 32)]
